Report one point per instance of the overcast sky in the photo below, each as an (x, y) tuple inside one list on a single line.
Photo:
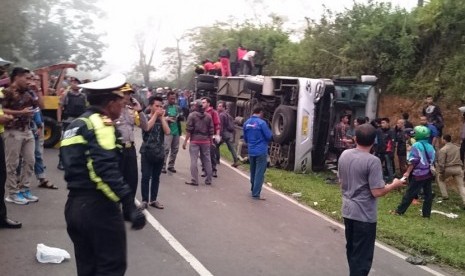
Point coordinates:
[(170, 18)]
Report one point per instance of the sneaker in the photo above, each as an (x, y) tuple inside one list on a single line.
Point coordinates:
[(17, 198), (235, 164), (173, 170), (163, 170), (214, 174), (29, 197)]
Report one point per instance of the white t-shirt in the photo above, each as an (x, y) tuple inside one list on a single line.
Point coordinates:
[(249, 55)]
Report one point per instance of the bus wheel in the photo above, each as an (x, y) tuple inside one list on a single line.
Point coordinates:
[(52, 132), (283, 124)]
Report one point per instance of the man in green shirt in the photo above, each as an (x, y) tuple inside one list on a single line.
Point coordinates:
[(174, 117)]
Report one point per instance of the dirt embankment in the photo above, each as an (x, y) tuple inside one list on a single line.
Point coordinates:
[(393, 106)]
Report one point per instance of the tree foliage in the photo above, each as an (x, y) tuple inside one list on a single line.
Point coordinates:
[(414, 52), (43, 32)]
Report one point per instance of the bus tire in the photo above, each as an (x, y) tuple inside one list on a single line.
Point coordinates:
[(52, 132), (283, 124)]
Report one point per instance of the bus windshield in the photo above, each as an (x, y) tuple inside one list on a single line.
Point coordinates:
[(352, 92)]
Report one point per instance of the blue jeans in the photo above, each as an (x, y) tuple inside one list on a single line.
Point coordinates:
[(150, 170), (257, 173), (39, 168)]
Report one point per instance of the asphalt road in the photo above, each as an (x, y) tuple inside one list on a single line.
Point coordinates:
[(204, 230)]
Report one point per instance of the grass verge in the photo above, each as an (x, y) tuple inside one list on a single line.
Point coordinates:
[(439, 239)]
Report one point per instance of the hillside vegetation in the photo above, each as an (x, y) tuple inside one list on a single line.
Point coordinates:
[(414, 53)]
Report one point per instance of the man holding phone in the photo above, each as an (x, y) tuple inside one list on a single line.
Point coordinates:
[(361, 179)]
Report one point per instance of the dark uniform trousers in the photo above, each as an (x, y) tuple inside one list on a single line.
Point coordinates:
[(2, 178), (360, 247), (96, 227), (128, 166)]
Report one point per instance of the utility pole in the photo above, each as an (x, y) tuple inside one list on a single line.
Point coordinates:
[(420, 3)]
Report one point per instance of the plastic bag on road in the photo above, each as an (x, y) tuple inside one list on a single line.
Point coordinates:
[(46, 254)]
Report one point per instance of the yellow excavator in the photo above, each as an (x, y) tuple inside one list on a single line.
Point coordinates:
[(51, 88)]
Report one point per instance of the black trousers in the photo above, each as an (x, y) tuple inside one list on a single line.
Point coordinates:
[(2, 178), (96, 227), (413, 189), (360, 247), (128, 167)]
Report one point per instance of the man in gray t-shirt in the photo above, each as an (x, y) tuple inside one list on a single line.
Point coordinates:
[(361, 179), (363, 172)]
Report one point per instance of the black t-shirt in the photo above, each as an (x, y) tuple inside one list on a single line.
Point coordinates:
[(154, 136)]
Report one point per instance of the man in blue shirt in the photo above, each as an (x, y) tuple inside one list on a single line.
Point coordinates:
[(434, 132), (257, 135)]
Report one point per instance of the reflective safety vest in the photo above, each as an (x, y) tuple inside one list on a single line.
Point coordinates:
[(91, 156)]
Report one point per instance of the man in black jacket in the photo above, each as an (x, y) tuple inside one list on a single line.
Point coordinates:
[(96, 187)]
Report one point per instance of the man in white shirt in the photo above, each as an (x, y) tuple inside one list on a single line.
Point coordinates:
[(247, 63)]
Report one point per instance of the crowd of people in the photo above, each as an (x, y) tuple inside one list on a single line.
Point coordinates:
[(98, 155), (366, 157), (99, 159)]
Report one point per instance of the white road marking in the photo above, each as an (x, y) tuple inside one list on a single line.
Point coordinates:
[(177, 246), (324, 217)]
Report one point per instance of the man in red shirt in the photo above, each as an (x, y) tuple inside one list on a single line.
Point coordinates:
[(241, 51), (224, 55), (208, 66), (206, 104)]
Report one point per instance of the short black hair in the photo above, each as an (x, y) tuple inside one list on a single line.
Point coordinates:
[(207, 99), (365, 135), (152, 99), (361, 120), (257, 109), (171, 92), (386, 119), (18, 71), (447, 137), (428, 96), (101, 99), (343, 116), (405, 116)]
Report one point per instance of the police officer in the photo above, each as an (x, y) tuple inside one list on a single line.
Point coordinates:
[(96, 187), (131, 115)]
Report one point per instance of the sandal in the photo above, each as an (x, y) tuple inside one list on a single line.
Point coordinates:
[(156, 204), (47, 185)]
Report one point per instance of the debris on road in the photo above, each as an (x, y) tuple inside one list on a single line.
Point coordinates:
[(297, 195), (46, 254), (449, 215), (416, 260)]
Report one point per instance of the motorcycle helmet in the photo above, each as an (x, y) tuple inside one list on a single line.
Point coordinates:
[(421, 133)]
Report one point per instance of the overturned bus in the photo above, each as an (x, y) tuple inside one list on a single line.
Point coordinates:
[(301, 112)]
